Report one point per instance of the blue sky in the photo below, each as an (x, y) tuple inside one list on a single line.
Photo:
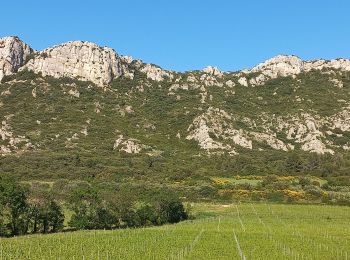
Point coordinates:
[(185, 35)]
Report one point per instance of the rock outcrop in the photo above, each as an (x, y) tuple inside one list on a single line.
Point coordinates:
[(13, 55), (100, 65), (212, 128), (155, 73), (12, 143), (128, 145), (214, 71), (290, 65), (280, 66), (82, 60)]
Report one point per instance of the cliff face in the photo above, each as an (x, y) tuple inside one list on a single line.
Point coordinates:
[(13, 54), (81, 60), (85, 61), (89, 62)]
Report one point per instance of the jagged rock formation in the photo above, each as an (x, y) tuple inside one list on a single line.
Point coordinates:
[(289, 65), (214, 71), (77, 59), (155, 73), (13, 54), (215, 124), (89, 62), (214, 131)]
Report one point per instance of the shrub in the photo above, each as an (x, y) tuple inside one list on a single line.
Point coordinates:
[(275, 196)]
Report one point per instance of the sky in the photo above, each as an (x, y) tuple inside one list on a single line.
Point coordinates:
[(186, 35)]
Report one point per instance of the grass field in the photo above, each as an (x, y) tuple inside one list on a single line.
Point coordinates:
[(237, 231)]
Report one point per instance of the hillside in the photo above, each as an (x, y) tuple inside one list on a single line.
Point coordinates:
[(79, 111)]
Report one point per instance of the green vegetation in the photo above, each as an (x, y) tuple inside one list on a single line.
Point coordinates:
[(234, 231), (19, 216), (58, 137), (62, 157), (23, 212), (90, 211)]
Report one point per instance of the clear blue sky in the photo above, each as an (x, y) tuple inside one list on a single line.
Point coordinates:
[(188, 34)]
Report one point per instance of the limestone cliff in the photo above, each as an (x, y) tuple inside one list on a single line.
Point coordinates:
[(13, 54), (77, 59)]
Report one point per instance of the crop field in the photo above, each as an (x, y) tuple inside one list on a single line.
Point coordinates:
[(236, 231)]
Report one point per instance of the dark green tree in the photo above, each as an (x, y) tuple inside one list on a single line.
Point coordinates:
[(84, 203), (13, 200), (147, 215), (56, 217), (294, 163), (170, 210)]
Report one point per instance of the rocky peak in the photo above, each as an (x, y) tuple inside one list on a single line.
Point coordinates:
[(90, 62), (13, 54), (289, 65), (281, 65), (127, 59), (78, 59), (341, 64), (214, 71), (155, 73)]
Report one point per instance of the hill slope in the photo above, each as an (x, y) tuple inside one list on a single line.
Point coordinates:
[(81, 110)]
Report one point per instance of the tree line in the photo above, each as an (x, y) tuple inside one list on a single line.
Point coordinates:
[(93, 212), (21, 214)]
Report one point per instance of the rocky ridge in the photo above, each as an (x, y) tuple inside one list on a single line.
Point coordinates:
[(100, 65), (76, 59), (289, 65), (213, 125)]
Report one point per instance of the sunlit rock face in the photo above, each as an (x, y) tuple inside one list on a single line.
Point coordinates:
[(77, 59), (290, 65), (13, 54)]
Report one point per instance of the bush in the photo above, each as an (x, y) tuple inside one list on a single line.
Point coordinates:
[(147, 215), (275, 196), (304, 181), (170, 210)]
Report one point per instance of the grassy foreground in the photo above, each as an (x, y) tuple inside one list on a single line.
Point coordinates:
[(236, 231)]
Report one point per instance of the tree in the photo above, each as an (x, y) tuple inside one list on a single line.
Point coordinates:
[(104, 218), (34, 214), (55, 217), (13, 200), (84, 202), (294, 163), (2, 221), (147, 215), (129, 217), (170, 210)]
